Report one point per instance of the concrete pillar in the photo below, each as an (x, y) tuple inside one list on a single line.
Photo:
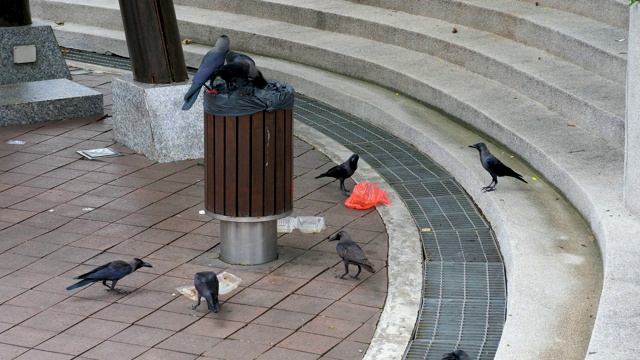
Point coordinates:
[(632, 117)]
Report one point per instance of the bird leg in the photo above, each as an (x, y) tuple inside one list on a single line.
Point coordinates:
[(344, 190), (491, 186), (359, 270), (195, 307), (113, 287), (346, 271)]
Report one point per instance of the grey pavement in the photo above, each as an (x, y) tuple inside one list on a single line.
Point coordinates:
[(61, 215)]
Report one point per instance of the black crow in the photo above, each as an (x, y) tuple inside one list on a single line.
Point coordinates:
[(342, 171), (233, 56), (112, 271), (211, 61), (239, 74), (351, 253), (456, 355), (494, 166), (255, 75), (207, 285), (235, 72)]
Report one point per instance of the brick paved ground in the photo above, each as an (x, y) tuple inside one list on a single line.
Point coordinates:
[(60, 216)]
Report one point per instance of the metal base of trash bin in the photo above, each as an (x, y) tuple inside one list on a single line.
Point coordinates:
[(248, 243)]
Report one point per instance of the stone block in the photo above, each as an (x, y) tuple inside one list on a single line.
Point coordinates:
[(46, 100), (49, 62), (149, 118)]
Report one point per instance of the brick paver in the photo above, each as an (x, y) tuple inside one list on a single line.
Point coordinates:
[(61, 216)]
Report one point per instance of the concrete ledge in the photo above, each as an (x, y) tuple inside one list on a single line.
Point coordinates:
[(47, 100), (149, 118)]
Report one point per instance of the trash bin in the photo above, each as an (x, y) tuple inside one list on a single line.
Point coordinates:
[(249, 169)]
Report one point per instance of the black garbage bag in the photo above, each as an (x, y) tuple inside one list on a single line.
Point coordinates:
[(247, 100)]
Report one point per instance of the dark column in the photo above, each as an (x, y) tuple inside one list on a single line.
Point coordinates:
[(14, 13), (151, 29)]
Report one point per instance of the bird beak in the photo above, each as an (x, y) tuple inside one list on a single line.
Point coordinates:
[(473, 146), (146, 264), (334, 237)]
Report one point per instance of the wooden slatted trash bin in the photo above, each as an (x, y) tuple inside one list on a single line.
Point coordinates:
[(249, 170)]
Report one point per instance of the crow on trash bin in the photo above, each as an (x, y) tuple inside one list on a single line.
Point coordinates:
[(112, 271), (351, 253), (456, 355), (211, 61), (255, 75), (494, 166), (237, 75), (342, 172), (233, 56), (207, 286)]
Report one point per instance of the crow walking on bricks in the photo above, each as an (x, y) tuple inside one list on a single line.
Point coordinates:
[(207, 285), (342, 172), (351, 253), (456, 355), (211, 61), (112, 271), (494, 166)]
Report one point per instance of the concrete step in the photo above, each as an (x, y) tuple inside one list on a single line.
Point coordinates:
[(612, 12), (579, 95), (586, 42), (23, 103)]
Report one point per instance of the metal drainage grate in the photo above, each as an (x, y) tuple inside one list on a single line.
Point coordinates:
[(434, 349), (481, 282), (463, 245), (464, 290)]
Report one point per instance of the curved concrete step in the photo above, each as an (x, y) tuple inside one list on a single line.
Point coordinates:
[(612, 12), (588, 43), (582, 97), (568, 89)]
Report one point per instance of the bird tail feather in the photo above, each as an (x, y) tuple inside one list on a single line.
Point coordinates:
[(189, 102), (79, 284), (320, 176), (369, 268)]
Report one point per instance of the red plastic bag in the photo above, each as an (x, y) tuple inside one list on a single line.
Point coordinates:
[(366, 195)]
